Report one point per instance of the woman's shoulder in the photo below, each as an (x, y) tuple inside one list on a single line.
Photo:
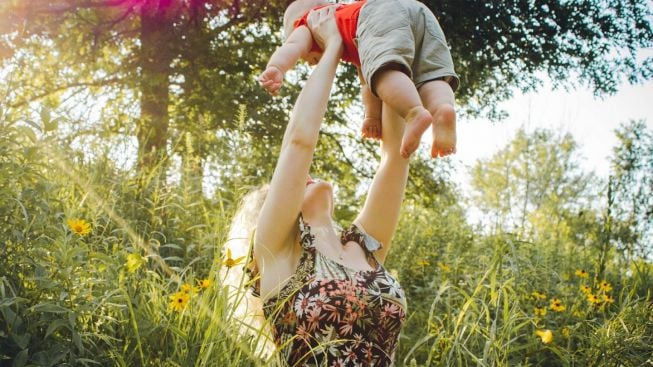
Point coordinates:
[(356, 233)]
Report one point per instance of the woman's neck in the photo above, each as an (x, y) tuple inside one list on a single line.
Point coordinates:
[(319, 221)]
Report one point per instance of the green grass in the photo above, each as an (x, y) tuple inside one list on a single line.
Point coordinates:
[(67, 299)]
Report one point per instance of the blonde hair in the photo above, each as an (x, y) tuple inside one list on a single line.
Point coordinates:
[(295, 10), (247, 307)]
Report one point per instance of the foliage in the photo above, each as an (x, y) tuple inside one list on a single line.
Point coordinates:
[(482, 309), (85, 81), (533, 186), (501, 44), (159, 70), (102, 298), (633, 188), (129, 292)]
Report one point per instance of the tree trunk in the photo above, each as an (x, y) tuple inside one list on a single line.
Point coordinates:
[(155, 57)]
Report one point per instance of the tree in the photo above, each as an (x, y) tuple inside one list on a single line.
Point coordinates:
[(632, 188), (501, 44), (159, 70), (533, 186), (155, 52)]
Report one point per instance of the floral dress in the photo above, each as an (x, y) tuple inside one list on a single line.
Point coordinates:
[(330, 315)]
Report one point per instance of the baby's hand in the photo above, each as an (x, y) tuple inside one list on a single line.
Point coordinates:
[(371, 128), (271, 79)]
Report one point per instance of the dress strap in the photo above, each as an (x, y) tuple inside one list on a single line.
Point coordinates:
[(306, 238), (358, 235)]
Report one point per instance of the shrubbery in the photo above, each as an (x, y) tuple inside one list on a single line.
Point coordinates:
[(101, 267)]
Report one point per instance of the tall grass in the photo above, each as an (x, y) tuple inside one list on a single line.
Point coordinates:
[(474, 303), (104, 298)]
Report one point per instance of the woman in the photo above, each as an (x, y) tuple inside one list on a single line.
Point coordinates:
[(326, 295)]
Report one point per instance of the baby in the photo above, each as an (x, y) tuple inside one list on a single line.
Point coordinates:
[(402, 59)]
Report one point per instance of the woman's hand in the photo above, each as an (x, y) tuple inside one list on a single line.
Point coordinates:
[(322, 23)]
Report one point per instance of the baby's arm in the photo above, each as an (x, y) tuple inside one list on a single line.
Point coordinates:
[(372, 104), (285, 57)]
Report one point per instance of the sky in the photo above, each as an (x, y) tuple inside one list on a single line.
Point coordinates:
[(591, 121)]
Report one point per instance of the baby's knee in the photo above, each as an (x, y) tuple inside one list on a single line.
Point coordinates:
[(444, 110)]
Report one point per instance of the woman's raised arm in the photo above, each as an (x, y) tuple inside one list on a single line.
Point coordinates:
[(380, 213), (277, 222)]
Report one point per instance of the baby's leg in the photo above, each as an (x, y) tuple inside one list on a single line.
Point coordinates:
[(396, 89), (438, 98)]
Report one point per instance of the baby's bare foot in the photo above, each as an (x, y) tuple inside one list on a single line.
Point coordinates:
[(444, 132), (417, 121), (371, 128)]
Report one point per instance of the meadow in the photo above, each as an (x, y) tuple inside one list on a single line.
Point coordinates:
[(131, 130), (104, 267)]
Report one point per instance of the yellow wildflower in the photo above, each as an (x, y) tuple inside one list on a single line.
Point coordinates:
[(434, 328), (545, 335), (134, 262), (608, 299), (556, 305), (204, 283), (582, 273), (188, 289), (540, 311), (578, 314), (444, 267), (585, 289), (566, 332), (605, 286), (538, 295), (79, 226), (179, 300), (593, 299), (230, 262), (422, 263)]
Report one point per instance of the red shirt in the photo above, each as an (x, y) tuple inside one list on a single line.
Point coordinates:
[(347, 21)]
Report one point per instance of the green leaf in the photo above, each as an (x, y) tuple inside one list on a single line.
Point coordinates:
[(11, 301), (26, 131), (56, 324), (49, 307), (21, 358), (11, 318), (33, 124), (51, 125), (87, 361), (45, 116), (22, 341), (50, 357), (78, 341)]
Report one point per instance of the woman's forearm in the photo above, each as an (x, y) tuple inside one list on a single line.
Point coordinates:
[(311, 104)]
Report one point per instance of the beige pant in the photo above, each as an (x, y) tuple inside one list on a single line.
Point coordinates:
[(404, 34)]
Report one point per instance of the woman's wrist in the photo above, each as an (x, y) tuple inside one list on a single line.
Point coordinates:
[(334, 44)]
